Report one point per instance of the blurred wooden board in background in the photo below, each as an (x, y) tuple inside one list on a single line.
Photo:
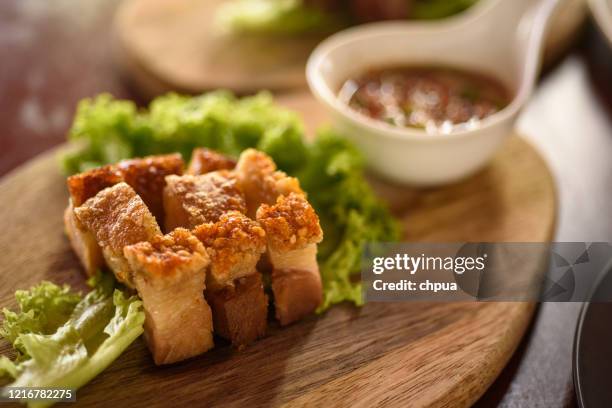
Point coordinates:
[(173, 45)]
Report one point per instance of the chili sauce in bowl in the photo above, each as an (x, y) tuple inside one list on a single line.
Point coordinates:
[(436, 99)]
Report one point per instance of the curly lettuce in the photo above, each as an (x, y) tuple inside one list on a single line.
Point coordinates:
[(330, 169), (351, 214), (42, 310), (64, 340)]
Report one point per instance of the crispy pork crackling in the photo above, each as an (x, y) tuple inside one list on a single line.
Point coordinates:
[(82, 187), (146, 176), (234, 243), (241, 216), (83, 243), (293, 231), (85, 185), (193, 200), (117, 217), (234, 287), (169, 274), (261, 182), (204, 161)]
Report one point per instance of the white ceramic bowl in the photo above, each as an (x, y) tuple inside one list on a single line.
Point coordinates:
[(498, 37)]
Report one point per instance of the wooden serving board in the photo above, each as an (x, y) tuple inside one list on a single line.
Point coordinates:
[(173, 46), (392, 354)]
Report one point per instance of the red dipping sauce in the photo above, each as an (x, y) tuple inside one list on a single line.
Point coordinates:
[(436, 99)]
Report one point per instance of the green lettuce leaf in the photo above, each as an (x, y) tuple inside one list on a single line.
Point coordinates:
[(351, 214), (99, 328), (7, 368), (330, 169), (41, 310), (273, 17)]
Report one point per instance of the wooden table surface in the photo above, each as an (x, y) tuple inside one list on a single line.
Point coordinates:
[(54, 53)]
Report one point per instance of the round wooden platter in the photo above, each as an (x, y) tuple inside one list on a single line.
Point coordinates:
[(174, 46), (393, 354)]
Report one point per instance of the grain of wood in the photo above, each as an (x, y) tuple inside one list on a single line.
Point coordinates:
[(384, 354)]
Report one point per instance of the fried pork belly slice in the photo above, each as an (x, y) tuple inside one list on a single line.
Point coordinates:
[(193, 200), (261, 182), (85, 185), (240, 311), (169, 274), (82, 187), (147, 176), (292, 232), (83, 243), (204, 161), (117, 217), (235, 244)]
